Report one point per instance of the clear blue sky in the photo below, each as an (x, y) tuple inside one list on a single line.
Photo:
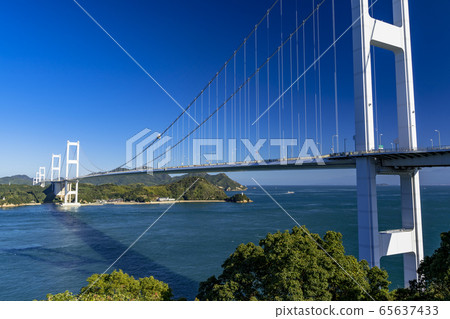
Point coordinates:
[(62, 78)]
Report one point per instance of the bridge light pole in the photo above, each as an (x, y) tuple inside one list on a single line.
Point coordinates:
[(431, 140), (439, 136), (332, 142)]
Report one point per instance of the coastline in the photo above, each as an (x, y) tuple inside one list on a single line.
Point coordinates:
[(19, 205), (153, 203), (8, 206)]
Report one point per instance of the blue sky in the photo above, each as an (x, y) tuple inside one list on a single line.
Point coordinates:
[(63, 79)]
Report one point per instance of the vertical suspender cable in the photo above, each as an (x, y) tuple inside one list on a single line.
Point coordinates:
[(282, 60), (235, 98), (217, 104), (292, 93), (315, 74), (320, 82), (304, 81), (202, 134), (209, 112), (256, 81), (375, 101), (335, 79), (182, 130), (296, 44), (245, 92), (268, 81), (225, 109), (280, 104), (279, 93)]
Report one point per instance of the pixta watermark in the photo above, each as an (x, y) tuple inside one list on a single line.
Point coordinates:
[(148, 150)]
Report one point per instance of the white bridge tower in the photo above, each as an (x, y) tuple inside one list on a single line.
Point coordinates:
[(71, 187), (395, 37), (55, 168)]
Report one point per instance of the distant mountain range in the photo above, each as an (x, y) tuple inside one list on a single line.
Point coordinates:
[(220, 180), (17, 180)]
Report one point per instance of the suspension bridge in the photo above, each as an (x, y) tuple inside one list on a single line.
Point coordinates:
[(277, 103)]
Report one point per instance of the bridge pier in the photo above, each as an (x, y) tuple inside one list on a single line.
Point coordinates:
[(368, 236), (374, 244), (411, 220)]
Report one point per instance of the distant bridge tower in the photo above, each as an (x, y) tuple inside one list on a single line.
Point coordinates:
[(374, 244), (36, 179), (41, 176), (56, 167), (70, 188)]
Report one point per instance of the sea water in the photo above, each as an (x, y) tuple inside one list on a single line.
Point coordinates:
[(47, 250)]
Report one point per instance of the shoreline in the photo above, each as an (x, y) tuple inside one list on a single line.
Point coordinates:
[(19, 205), (156, 203), (8, 206)]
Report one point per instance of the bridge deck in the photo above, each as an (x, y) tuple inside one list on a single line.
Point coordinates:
[(386, 159)]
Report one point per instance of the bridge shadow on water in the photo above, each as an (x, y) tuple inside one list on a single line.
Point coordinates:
[(108, 250)]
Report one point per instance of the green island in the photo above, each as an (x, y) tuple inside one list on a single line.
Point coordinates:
[(239, 198), (192, 187), (285, 266)]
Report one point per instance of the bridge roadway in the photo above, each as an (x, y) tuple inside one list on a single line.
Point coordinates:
[(388, 160)]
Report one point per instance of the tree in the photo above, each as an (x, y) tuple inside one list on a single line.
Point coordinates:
[(434, 276), (292, 266), (118, 286)]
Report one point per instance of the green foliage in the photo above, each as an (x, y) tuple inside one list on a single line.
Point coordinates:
[(21, 194), (220, 180), (140, 193), (239, 198), (434, 274), (291, 266), (201, 190), (146, 179), (118, 286)]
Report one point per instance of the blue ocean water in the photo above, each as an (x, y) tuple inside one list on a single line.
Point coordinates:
[(47, 250)]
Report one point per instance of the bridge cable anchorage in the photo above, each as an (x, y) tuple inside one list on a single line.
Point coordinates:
[(133, 59), (275, 52), (315, 241), (206, 86), (312, 64), (139, 237)]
